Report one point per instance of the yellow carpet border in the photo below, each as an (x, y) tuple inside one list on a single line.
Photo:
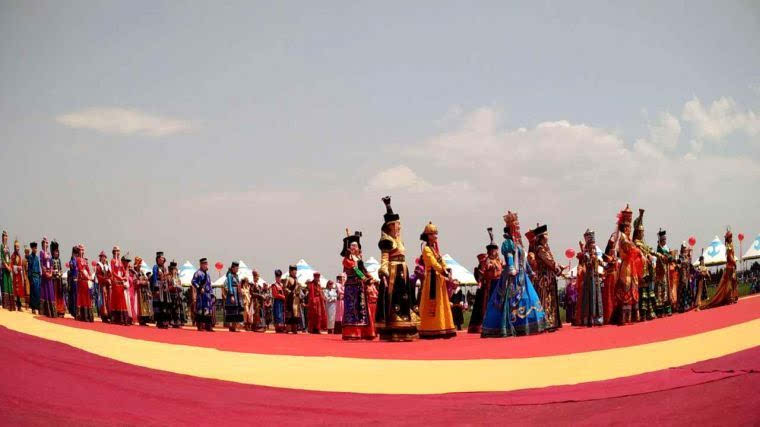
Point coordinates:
[(383, 376)]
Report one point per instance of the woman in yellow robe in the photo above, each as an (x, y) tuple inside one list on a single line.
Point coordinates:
[(728, 291), (436, 320)]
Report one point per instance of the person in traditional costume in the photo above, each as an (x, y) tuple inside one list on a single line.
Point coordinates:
[(278, 303), (435, 310), (84, 298), (570, 299), (5, 274), (702, 274), (340, 281), (673, 280), (34, 275), (631, 268), (59, 288), (498, 294), (268, 301), (292, 290), (590, 301), (176, 311), (129, 289), (662, 275), (245, 293), (331, 303), (546, 278), (685, 268), (396, 313), (71, 281), (17, 266), (317, 312), (47, 290), (233, 303), (357, 323), (143, 293), (103, 276), (117, 303), (647, 300), (481, 300), (458, 304), (160, 290), (372, 297), (727, 291), (258, 302), (522, 313), (204, 297)]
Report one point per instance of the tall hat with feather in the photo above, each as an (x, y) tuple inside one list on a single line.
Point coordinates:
[(491, 246)]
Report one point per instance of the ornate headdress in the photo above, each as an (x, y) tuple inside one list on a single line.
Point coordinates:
[(349, 239), (491, 245), (540, 230), (590, 237), (389, 216), (430, 228), (729, 235), (53, 246), (638, 223), (625, 216), (512, 227)]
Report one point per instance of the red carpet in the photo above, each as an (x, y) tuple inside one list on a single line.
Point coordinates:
[(465, 346), (47, 383)]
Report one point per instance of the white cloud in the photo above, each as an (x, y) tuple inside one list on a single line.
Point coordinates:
[(721, 119), (400, 177), (121, 121)]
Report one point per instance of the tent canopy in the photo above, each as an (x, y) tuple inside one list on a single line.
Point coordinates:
[(305, 273), (186, 272), (754, 249), (372, 266), (715, 253), (459, 273)]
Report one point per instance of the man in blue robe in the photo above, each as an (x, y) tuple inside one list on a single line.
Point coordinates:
[(204, 297), (34, 273)]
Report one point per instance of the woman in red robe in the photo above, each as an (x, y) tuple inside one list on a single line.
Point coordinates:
[(118, 303), (317, 311), (18, 273), (84, 299)]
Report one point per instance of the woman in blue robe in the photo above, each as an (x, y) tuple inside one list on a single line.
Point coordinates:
[(514, 307)]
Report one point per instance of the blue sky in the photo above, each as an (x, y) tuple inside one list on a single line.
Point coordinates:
[(261, 130)]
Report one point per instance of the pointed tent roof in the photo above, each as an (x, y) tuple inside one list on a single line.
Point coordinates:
[(372, 266), (754, 250), (186, 272), (715, 253), (243, 272), (460, 273), (304, 273)]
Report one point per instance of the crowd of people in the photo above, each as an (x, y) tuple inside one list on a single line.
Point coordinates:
[(517, 287)]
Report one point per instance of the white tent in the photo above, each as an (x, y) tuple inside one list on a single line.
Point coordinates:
[(460, 273), (145, 268), (243, 272), (715, 253), (305, 273), (754, 250), (372, 267), (186, 272)]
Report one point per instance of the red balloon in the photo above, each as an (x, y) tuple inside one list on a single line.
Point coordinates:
[(741, 237), (67, 264), (692, 241), (569, 253), (219, 265), (94, 263)]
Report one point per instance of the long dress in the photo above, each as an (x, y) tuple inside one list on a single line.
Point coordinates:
[(436, 320), (702, 277), (34, 273), (661, 281), (59, 288), (457, 308), (590, 301), (546, 286), (339, 306), (481, 301), (6, 278), (160, 292), (630, 272), (292, 290), (84, 298), (103, 274), (331, 300), (395, 315), (204, 300), (71, 283), (175, 306), (727, 292), (685, 293), (118, 303), (144, 296), (357, 323), (47, 290), (317, 312), (278, 307), (673, 283), (514, 302), (233, 304)]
